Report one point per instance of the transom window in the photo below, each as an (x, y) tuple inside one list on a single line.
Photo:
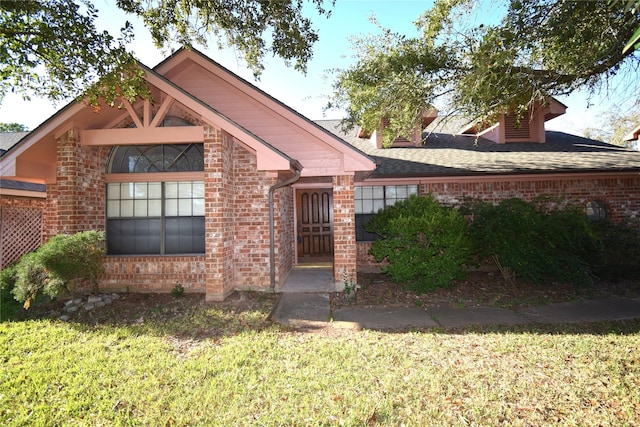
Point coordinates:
[(156, 158), (159, 216), (370, 199)]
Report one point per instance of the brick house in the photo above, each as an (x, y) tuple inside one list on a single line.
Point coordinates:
[(217, 186)]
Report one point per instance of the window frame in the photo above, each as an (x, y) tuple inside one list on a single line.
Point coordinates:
[(196, 222), (165, 218), (368, 211)]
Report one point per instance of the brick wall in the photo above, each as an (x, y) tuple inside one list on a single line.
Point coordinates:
[(250, 218), (344, 234), (77, 202), (217, 192), (284, 231), (620, 193), (154, 273), (236, 223), (80, 185)]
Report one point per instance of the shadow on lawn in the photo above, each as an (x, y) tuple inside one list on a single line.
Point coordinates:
[(191, 318), (188, 316), (618, 327)]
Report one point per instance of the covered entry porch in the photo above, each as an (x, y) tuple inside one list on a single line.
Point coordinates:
[(310, 278)]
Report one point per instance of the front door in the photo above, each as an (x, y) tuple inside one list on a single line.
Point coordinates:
[(315, 225)]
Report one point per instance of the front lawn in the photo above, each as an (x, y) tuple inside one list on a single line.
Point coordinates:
[(222, 364)]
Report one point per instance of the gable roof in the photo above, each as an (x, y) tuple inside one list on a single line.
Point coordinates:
[(458, 155), (320, 152), (78, 115), (9, 139), (275, 152)]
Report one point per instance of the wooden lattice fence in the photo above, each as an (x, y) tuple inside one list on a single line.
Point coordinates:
[(20, 232)]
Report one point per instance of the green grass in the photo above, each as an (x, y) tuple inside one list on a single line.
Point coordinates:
[(217, 366)]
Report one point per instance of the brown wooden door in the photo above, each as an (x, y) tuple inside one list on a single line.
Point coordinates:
[(315, 224)]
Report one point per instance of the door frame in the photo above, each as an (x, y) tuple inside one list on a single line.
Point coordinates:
[(307, 187)]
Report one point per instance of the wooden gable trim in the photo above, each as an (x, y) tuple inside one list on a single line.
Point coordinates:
[(135, 136), (633, 135), (146, 130), (268, 157)]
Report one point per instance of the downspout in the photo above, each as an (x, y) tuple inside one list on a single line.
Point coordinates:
[(272, 242)]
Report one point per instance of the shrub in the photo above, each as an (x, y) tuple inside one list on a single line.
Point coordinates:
[(539, 240), (426, 244), (177, 291), (618, 257), (63, 263), (8, 277), (8, 305)]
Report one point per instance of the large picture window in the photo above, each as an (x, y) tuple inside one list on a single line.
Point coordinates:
[(370, 199), (155, 217)]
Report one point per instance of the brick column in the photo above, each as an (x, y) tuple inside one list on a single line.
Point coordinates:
[(344, 229), (218, 233), (67, 177), (77, 199)]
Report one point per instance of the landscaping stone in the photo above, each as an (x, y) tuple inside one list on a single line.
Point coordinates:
[(90, 303)]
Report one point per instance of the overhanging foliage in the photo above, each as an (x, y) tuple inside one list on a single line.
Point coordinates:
[(539, 48)]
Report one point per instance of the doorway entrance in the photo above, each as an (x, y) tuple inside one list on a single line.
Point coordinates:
[(314, 225)]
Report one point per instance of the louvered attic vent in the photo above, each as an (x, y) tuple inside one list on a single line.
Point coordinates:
[(514, 131)]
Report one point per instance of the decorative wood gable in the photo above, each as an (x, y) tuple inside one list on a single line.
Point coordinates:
[(147, 127)]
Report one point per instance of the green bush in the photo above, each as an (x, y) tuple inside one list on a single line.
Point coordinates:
[(8, 277), (618, 257), (9, 307), (62, 264), (426, 244), (539, 240)]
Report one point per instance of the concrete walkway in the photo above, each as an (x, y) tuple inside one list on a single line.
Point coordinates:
[(312, 311)]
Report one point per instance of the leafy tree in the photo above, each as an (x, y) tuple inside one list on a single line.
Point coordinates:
[(614, 126), (52, 48), (13, 127), (540, 48)]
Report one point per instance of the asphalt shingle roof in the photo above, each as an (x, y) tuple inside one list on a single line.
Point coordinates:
[(9, 139), (21, 185), (454, 155)]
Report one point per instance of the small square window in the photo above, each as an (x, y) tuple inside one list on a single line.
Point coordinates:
[(597, 210)]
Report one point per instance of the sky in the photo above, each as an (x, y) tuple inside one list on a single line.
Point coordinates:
[(308, 93)]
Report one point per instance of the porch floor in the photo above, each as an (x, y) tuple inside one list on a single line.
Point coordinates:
[(310, 278)]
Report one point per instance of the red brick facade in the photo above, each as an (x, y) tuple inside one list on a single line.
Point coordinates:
[(237, 216), (80, 186), (236, 221)]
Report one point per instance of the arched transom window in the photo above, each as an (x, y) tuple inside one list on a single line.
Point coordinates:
[(156, 158)]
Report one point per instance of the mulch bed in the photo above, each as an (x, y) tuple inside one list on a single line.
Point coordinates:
[(480, 288)]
